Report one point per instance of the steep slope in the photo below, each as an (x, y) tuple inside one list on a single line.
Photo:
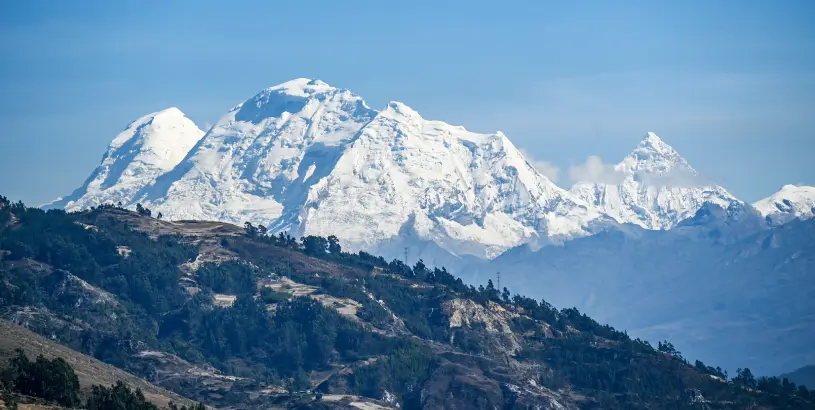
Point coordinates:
[(469, 193), (89, 370), (146, 149), (309, 158), (314, 327), (259, 160), (653, 187), (744, 289), (791, 202)]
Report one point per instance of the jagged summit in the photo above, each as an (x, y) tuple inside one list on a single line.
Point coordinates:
[(654, 187), (653, 155), (789, 203), (146, 149), (653, 142)]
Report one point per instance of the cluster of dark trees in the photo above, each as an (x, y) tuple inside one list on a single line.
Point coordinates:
[(51, 380), (56, 382), (233, 277), (120, 397)]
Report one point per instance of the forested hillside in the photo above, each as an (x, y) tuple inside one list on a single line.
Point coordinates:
[(237, 318)]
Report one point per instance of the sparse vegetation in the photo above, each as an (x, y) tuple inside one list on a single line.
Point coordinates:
[(301, 337)]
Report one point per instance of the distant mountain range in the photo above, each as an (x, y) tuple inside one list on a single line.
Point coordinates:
[(626, 246), (312, 159), (722, 285)]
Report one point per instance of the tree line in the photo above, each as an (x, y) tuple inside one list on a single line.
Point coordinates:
[(55, 381)]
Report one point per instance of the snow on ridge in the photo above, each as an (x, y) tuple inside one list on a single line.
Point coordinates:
[(789, 203), (469, 193), (654, 187), (309, 158), (147, 148)]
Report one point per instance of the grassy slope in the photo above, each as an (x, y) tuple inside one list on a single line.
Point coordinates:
[(89, 370)]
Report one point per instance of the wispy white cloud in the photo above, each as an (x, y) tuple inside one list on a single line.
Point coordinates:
[(594, 170), (546, 168), (676, 178)]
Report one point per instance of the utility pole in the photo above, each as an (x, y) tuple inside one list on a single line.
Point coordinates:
[(498, 280), (406, 252)]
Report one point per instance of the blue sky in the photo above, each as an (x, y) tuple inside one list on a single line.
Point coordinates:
[(729, 84)]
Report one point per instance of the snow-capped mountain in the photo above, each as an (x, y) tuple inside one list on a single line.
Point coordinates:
[(313, 159), (791, 202), (146, 149), (653, 187)]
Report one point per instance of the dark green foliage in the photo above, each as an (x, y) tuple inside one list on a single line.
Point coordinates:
[(270, 296), (284, 345), (745, 378), (402, 372), (8, 398), (228, 277), (51, 380), (314, 245), (668, 348), (118, 397), (5, 212), (374, 313), (302, 335), (419, 309), (715, 371), (251, 230), (143, 211), (197, 406)]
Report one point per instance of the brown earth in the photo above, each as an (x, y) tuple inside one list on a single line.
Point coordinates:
[(89, 370)]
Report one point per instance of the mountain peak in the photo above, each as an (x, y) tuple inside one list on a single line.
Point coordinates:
[(144, 150), (795, 188), (397, 108), (172, 111), (303, 97), (653, 155), (302, 87), (653, 187), (789, 203), (159, 130), (653, 142)]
